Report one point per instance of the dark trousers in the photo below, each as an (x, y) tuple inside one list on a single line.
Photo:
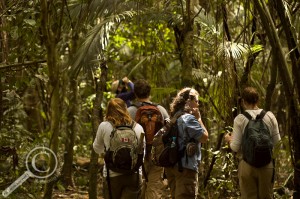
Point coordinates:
[(127, 186)]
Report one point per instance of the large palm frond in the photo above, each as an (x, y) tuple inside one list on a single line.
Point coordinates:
[(236, 50), (97, 39)]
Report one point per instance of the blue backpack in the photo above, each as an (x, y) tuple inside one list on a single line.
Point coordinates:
[(257, 143)]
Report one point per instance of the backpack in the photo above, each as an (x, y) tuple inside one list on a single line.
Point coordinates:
[(150, 118), (165, 151), (257, 144), (124, 155)]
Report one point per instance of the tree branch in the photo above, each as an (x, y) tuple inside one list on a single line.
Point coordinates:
[(25, 64)]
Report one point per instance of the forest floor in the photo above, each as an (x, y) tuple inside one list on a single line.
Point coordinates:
[(83, 194), (74, 194), (80, 177)]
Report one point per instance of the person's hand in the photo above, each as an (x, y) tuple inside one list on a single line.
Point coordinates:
[(191, 107), (228, 137), (196, 113)]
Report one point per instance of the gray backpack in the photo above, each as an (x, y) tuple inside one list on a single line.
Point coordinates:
[(124, 155), (257, 143)]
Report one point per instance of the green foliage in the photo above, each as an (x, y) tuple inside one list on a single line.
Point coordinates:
[(237, 50), (223, 181), (13, 130)]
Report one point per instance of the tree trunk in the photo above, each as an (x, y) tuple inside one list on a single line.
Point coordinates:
[(73, 113), (67, 170), (290, 93), (271, 86), (96, 119), (54, 78), (291, 41), (5, 51), (185, 43)]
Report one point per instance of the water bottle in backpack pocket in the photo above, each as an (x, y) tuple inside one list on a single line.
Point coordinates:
[(165, 152)]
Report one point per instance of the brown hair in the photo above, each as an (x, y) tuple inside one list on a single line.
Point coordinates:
[(250, 95), (117, 112), (180, 100), (142, 89)]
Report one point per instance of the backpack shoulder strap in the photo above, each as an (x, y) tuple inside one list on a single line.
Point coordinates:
[(132, 125), (261, 115), (173, 119), (247, 115)]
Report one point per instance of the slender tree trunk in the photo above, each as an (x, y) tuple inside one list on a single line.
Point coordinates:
[(67, 170), (4, 50), (291, 41), (72, 127), (54, 78), (97, 117), (271, 85), (252, 57)]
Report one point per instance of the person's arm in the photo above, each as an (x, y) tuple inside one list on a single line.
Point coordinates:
[(195, 111), (102, 137), (204, 136), (195, 128), (235, 138), (129, 95), (98, 144)]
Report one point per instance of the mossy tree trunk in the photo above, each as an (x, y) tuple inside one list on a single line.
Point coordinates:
[(184, 35)]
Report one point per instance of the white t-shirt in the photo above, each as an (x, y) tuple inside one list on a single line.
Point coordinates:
[(240, 123), (102, 141)]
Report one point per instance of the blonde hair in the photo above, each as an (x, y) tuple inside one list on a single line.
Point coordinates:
[(117, 112)]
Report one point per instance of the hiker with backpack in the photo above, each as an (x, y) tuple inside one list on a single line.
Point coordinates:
[(121, 140), (151, 116), (183, 177), (124, 89), (255, 134)]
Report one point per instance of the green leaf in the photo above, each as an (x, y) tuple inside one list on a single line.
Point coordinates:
[(30, 22)]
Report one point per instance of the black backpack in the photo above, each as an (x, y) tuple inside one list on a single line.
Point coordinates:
[(165, 151), (257, 143)]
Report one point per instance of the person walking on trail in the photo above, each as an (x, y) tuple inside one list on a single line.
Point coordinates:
[(183, 177), (118, 184), (124, 89), (151, 116), (256, 167)]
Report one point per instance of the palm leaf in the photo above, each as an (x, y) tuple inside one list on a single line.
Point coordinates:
[(233, 50), (97, 39)]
